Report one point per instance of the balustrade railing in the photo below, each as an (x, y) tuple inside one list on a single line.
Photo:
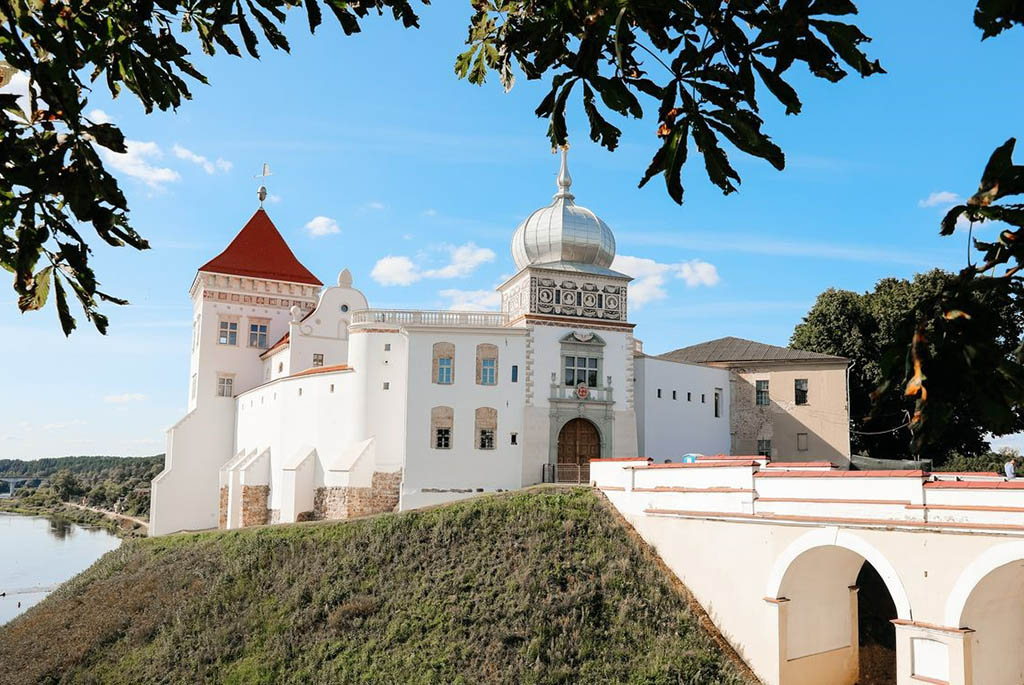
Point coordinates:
[(413, 317), (572, 392)]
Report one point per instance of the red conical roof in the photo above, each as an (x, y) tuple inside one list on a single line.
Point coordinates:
[(259, 251)]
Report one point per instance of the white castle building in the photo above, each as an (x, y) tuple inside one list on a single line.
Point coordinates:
[(305, 403)]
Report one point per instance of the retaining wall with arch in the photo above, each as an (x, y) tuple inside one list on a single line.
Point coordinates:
[(772, 552)]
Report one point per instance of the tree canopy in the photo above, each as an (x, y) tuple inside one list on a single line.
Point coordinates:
[(698, 61), (868, 329)]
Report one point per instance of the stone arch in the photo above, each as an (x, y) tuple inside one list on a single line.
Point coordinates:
[(975, 572), (836, 537), (988, 598)]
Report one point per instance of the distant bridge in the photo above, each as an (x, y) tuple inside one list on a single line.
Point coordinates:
[(12, 483), (773, 553)]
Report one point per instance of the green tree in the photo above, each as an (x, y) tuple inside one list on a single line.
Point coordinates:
[(65, 485), (699, 62), (867, 328)]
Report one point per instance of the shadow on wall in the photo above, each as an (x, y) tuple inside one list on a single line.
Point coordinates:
[(789, 433)]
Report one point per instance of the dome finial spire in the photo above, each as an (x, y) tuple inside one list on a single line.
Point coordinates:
[(564, 179)]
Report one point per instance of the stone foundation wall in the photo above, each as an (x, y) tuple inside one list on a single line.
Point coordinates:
[(254, 505), (222, 521), (275, 516), (348, 502)]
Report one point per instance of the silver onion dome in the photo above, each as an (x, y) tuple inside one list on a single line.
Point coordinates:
[(563, 233)]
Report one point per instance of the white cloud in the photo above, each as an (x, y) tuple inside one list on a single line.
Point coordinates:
[(376, 205), (400, 270), (124, 398), (19, 85), (61, 425), (274, 199), (650, 276), (430, 212), (98, 116), (208, 166), (136, 163), (392, 270), (321, 225), (472, 300), (939, 197)]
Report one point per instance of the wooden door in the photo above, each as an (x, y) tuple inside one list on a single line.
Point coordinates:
[(578, 443)]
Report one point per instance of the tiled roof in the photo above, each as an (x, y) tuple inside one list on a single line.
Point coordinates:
[(322, 369), (259, 251), (740, 350)]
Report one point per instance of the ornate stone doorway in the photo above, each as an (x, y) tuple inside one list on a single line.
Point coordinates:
[(578, 443)]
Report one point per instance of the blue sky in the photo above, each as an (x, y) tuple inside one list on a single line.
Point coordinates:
[(378, 151)]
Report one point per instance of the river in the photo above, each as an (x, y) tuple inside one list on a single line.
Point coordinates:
[(37, 555)]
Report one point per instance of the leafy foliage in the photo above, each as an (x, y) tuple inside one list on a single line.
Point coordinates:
[(698, 61), (53, 183), (539, 587), (869, 327)]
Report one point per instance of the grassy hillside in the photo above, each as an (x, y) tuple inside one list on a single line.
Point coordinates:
[(545, 586)]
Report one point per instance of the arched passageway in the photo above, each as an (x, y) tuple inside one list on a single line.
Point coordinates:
[(578, 443), (835, 614), (994, 610)]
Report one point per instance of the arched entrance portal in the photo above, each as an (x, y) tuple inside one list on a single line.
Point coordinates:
[(995, 612), (578, 443), (836, 598)]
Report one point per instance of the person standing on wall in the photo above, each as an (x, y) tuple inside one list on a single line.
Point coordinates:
[(1010, 469)]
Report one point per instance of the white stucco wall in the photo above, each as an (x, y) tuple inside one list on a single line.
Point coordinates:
[(669, 427)]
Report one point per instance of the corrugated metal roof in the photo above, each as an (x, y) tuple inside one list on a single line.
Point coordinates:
[(739, 350)]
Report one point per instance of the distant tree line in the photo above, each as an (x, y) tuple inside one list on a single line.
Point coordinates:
[(102, 482)]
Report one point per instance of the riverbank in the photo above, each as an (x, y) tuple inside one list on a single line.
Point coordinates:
[(121, 526)]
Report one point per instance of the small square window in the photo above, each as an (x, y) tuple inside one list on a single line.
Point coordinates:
[(764, 448), (486, 439), (228, 333), (387, 347), (225, 386), (515, 375), (318, 359), (800, 390), (515, 438), (801, 442), (258, 335), (443, 439), (761, 397), (387, 385)]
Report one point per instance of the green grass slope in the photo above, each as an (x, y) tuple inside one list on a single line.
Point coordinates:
[(544, 586)]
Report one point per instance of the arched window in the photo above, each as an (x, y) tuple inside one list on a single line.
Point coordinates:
[(443, 366), (485, 427), (442, 428), (486, 364)]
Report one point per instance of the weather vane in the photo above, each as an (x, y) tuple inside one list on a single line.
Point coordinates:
[(262, 192)]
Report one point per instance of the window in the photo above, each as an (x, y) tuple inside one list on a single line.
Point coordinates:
[(718, 403), (280, 367), (344, 308), (485, 425), (387, 385), (443, 366), (582, 370), (659, 393), (441, 427), (515, 374), (488, 372), (258, 335), (225, 386), (486, 364), (444, 370), (702, 399), (764, 447), (761, 395), (673, 394), (318, 359), (800, 390), (387, 347), (689, 397), (515, 438), (332, 387), (228, 333), (801, 442)]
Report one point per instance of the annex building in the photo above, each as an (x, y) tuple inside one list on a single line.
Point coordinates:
[(306, 403)]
